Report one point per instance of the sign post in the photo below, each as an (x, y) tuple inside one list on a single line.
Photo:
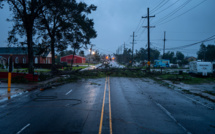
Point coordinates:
[(9, 74)]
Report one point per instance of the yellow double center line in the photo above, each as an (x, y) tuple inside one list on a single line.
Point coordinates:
[(107, 82)]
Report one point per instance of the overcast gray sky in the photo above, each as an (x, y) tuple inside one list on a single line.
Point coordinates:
[(185, 22)]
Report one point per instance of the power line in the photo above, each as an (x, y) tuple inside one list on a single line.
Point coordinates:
[(189, 45), (167, 7), (173, 12), (157, 5), (160, 6), (139, 25), (185, 12)]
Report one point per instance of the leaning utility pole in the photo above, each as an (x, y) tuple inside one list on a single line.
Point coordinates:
[(164, 40), (132, 51), (148, 27)]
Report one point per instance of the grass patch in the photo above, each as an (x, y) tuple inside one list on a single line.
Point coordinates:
[(19, 79), (186, 78), (107, 72), (79, 67)]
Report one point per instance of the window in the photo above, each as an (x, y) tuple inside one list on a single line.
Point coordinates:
[(36, 60), (24, 60), (48, 61), (17, 60)]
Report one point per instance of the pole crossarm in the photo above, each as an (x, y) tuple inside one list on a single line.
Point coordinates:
[(149, 26), (149, 16)]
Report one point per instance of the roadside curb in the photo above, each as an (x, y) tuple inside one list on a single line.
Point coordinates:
[(198, 92)]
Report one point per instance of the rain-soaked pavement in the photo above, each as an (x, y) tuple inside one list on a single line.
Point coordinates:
[(107, 105)]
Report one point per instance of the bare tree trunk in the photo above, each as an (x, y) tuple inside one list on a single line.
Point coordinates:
[(54, 69), (30, 52), (73, 57)]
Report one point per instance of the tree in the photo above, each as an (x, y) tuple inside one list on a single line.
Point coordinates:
[(210, 53), (97, 56), (202, 51), (206, 53), (50, 27), (142, 54), (179, 56), (169, 56), (154, 54), (66, 52), (81, 53), (81, 29), (25, 13), (65, 21)]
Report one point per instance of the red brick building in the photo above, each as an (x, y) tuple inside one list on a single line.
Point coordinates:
[(20, 55), (77, 59)]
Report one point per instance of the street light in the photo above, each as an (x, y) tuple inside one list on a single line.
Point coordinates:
[(90, 53)]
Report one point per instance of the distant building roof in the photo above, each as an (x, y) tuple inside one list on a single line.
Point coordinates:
[(72, 55), (21, 51), (13, 50), (45, 54)]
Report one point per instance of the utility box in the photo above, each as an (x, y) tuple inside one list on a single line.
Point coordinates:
[(201, 68)]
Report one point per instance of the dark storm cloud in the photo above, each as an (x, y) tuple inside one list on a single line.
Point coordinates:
[(116, 20)]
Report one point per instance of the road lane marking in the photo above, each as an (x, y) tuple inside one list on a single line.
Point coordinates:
[(69, 92), (170, 115), (23, 128), (102, 113), (110, 118), (196, 101)]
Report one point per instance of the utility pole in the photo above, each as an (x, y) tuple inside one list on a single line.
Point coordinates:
[(132, 51), (90, 54), (164, 40), (148, 27)]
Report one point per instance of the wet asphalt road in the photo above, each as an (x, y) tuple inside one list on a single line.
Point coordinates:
[(106, 105)]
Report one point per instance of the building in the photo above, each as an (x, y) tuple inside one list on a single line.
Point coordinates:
[(20, 55), (2, 61), (77, 59), (190, 58)]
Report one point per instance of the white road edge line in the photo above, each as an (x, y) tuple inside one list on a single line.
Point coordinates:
[(23, 128), (169, 114), (196, 101), (69, 92)]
